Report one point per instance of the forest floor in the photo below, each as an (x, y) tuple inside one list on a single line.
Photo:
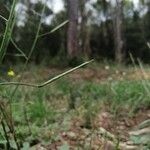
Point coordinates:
[(93, 108)]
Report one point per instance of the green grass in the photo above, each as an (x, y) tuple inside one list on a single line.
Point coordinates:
[(43, 113), (42, 108)]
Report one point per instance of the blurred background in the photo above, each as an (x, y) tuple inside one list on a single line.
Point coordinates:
[(40, 39), (101, 29)]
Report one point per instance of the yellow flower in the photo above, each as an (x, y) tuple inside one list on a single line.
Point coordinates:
[(11, 73)]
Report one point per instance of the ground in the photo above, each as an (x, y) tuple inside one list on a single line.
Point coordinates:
[(95, 107)]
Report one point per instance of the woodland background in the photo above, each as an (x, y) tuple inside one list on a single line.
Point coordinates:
[(102, 29)]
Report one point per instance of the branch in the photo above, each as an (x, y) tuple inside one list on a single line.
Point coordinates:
[(49, 81)]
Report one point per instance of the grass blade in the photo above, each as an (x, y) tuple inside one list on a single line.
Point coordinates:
[(49, 81), (16, 46), (55, 29), (3, 18)]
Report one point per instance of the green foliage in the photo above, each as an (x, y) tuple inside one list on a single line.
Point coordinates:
[(41, 110), (26, 146), (64, 147)]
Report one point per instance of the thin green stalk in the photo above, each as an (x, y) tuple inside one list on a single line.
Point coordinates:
[(16, 46), (5, 134), (3, 48), (6, 39), (143, 83), (144, 75), (36, 37), (31, 51), (10, 126), (26, 62), (49, 81), (15, 55), (55, 29), (3, 18), (8, 32)]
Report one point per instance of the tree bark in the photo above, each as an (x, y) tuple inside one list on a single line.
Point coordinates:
[(118, 32), (72, 35), (84, 29)]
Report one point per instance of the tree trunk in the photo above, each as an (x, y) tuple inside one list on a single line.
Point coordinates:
[(118, 32), (72, 35), (84, 29)]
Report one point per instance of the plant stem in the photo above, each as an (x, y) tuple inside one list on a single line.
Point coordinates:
[(8, 31), (49, 81)]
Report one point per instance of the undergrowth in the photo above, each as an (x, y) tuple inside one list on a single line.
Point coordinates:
[(42, 109)]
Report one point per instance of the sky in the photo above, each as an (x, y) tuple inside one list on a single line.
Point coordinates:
[(58, 4), (55, 5)]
